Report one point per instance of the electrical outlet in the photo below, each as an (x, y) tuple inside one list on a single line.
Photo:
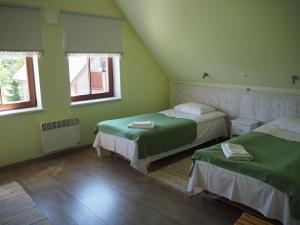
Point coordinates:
[(52, 18), (243, 74)]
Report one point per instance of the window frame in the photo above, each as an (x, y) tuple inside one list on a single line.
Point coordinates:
[(91, 96), (31, 87)]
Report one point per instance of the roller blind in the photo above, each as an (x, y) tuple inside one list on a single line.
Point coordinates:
[(20, 29), (92, 33)]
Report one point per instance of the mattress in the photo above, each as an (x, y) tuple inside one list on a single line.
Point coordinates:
[(209, 126), (263, 197)]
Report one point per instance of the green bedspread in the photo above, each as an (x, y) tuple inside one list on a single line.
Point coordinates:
[(169, 132), (276, 162)]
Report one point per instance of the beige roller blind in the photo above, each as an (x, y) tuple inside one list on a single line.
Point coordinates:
[(20, 29), (85, 33)]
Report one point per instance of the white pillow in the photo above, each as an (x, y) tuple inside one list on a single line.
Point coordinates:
[(194, 108), (291, 124)]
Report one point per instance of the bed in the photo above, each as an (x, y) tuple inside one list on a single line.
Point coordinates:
[(270, 183), (176, 130)]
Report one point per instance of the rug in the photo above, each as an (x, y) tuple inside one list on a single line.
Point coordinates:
[(17, 207), (247, 219), (175, 174)]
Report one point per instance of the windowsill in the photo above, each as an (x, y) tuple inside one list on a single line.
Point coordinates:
[(21, 111), (87, 102)]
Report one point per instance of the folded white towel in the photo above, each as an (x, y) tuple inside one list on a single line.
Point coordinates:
[(235, 152), (142, 125)]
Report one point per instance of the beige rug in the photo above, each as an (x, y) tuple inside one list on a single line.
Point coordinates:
[(175, 174), (247, 219), (17, 207)]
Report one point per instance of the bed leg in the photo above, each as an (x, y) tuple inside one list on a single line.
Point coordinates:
[(143, 170), (101, 152), (98, 153), (141, 166)]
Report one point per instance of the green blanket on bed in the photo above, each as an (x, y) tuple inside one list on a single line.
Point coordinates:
[(168, 133), (276, 162)]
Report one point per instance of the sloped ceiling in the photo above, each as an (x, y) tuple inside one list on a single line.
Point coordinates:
[(222, 38)]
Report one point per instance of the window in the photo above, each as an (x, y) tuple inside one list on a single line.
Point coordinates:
[(94, 56), (20, 45), (17, 83), (91, 77)]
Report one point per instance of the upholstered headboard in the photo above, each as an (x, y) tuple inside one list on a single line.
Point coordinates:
[(261, 106)]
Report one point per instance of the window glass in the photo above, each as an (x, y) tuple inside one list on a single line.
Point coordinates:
[(99, 75), (17, 82), (91, 77), (79, 76), (13, 80)]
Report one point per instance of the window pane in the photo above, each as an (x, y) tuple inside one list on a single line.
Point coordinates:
[(79, 76), (99, 75), (13, 79)]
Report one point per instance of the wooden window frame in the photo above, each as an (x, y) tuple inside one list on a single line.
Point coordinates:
[(31, 87), (91, 96)]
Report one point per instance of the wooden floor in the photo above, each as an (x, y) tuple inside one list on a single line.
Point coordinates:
[(78, 188)]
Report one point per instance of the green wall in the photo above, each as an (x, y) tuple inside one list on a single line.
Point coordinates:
[(223, 38), (144, 86)]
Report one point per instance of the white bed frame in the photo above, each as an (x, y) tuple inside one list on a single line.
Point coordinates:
[(243, 189), (206, 130)]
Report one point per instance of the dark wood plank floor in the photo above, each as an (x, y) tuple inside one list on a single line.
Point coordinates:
[(78, 188)]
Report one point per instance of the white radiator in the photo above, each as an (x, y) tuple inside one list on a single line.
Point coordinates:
[(60, 134)]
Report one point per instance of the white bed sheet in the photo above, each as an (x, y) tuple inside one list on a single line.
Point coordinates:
[(209, 126), (246, 190), (272, 129)]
